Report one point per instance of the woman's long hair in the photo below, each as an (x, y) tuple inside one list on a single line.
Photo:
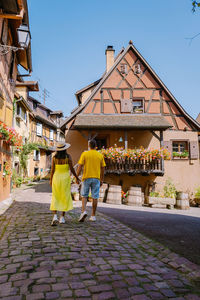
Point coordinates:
[(61, 154)]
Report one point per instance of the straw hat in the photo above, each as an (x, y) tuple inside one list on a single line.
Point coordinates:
[(62, 146)]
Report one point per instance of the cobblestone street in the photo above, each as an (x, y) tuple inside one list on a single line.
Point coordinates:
[(90, 260)]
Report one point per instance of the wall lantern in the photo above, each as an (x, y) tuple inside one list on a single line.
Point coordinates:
[(120, 139), (24, 36)]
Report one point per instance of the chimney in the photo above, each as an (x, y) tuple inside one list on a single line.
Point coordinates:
[(109, 57)]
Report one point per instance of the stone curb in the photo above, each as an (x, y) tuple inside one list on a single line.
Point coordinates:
[(5, 204)]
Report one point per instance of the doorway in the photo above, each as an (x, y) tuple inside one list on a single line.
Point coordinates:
[(101, 143)]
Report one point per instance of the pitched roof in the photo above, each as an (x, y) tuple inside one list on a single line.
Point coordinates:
[(39, 116), (198, 118), (120, 57), (32, 85), (93, 84), (57, 112), (121, 121)]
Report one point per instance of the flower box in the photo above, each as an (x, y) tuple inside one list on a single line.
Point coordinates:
[(10, 135), (180, 155), (153, 201)]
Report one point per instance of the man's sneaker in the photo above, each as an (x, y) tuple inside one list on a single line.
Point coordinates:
[(83, 216), (62, 220), (54, 221), (92, 218)]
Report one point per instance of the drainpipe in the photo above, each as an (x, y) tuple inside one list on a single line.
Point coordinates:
[(126, 139)]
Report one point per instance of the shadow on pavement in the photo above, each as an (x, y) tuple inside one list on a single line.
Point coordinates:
[(179, 233), (41, 187)]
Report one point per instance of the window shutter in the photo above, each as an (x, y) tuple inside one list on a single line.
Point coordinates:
[(194, 150), (126, 105), (34, 155), (39, 129), (51, 135), (168, 145)]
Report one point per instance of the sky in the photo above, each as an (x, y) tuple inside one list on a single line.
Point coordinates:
[(69, 38)]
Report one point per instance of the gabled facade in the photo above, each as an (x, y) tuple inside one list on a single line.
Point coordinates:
[(131, 107), (13, 13), (21, 123), (43, 129)]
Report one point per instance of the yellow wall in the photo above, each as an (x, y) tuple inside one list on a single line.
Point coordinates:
[(6, 111)]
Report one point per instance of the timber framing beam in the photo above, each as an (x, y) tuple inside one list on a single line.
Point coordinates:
[(88, 136), (160, 138), (12, 16)]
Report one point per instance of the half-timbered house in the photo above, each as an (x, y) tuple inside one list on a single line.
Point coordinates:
[(131, 107), (13, 14)]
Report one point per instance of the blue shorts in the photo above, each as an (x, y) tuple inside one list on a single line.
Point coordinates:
[(93, 184)]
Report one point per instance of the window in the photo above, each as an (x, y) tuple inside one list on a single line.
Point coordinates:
[(36, 171), (180, 149), (138, 106), (39, 129), (25, 117), (51, 135), (179, 146), (36, 155), (23, 113), (18, 110), (123, 68), (137, 69)]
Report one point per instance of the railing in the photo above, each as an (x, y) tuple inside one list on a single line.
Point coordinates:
[(137, 166)]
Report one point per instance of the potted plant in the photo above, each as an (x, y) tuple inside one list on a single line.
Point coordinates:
[(18, 181), (197, 196), (124, 197), (167, 197)]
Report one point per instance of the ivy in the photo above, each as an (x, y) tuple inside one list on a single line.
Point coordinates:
[(26, 149)]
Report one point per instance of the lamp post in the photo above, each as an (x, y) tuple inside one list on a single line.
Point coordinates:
[(24, 38)]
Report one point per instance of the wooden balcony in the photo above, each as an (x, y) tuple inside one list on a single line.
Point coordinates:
[(43, 141), (132, 167)]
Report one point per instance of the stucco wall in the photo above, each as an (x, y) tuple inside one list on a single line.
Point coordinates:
[(185, 174), (6, 111), (41, 164), (78, 144), (4, 181)]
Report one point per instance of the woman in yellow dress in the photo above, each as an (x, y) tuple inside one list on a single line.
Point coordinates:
[(61, 183)]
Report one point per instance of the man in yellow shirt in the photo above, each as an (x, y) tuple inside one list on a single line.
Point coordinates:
[(93, 165)]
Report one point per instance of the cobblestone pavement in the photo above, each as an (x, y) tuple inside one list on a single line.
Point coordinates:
[(90, 260)]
